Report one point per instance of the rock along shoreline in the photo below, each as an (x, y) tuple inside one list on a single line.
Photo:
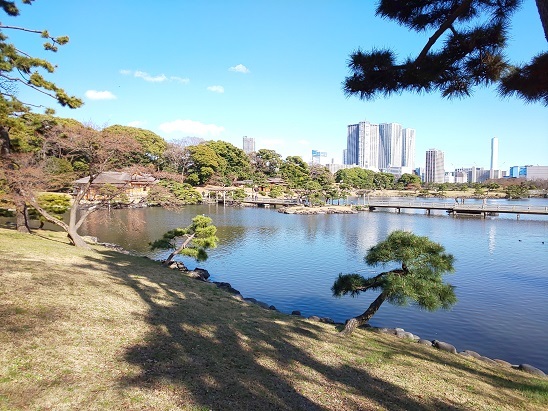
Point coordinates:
[(203, 275)]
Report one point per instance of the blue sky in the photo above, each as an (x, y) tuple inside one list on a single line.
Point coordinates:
[(272, 70)]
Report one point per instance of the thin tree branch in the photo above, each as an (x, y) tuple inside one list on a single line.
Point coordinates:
[(21, 29), (446, 25), (26, 83)]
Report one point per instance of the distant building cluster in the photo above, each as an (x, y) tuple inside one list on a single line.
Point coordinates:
[(529, 172), (390, 148), (381, 147)]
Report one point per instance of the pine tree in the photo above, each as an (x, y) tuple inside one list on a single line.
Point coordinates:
[(196, 239), (418, 277), (474, 35)]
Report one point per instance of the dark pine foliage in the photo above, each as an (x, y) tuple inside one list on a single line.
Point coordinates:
[(469, 36)]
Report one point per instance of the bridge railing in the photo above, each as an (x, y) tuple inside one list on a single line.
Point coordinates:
[(263, 200), (455, 206)]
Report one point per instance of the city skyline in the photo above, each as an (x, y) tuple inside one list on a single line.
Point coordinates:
[(175, 73), (380, 146)]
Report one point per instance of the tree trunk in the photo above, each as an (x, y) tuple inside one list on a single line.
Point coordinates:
[(178, 250), (542, 6), (70, 229), (5, 145), (76, 239), (355, 322), (22, 217)]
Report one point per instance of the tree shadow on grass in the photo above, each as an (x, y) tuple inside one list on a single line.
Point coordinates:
[(475, 370), (220, 353)]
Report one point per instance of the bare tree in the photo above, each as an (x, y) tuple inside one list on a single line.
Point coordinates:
[(99, 151)]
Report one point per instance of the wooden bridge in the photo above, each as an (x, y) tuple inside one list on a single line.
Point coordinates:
[(269, 202), (455, 208)]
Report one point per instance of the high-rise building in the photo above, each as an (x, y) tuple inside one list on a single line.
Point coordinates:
[(435, 171), (353, 144), (390, 138), (408, 148), (248, 144), (369, 145), (493, 171), (380, 146)]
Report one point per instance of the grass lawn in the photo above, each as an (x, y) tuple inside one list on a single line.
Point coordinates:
[(99, 330)]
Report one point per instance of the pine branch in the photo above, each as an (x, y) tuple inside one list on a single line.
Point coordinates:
[(446, 25)]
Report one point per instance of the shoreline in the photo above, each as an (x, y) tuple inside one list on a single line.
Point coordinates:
[(96, 328), (202, 275)]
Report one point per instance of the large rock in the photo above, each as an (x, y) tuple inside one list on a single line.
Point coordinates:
[(443, 346), (327, 320), (487, 360), (390, 331), (503, 363), (177, 265), (469, 353), (198, 274), (203, 273), (404, 334), (226, 287), (531, 370)]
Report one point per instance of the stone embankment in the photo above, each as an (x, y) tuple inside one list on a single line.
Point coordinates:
[(203, 275), (444, 346), (332, 209)]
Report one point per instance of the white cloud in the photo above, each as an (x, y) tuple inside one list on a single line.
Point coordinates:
[(147, 77), (216, 89), (180, 79), (191, 128), (240, 68), (136, 123), (154, 79), (99, 95)]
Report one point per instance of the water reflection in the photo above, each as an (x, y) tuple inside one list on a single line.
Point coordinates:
[(492, 235)]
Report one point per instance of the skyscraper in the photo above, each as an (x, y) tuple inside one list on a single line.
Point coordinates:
[(390, 138), (369, 145), (493, 172), (248, 144), (435, 171), (380, 146), (408, 148), (353, 144)]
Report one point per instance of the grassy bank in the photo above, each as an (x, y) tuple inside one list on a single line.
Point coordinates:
[(101, 330)]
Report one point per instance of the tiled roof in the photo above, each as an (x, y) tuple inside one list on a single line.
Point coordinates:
[(117, 178)]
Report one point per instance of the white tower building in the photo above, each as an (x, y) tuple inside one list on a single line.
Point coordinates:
[(248, 144), (493, 172), (390, 153), (435, 171), (408, 146), (369, 145)]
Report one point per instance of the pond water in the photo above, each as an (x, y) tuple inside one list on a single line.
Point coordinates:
[(291, 261)]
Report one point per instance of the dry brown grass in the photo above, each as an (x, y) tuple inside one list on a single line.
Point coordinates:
[(100, 330)]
